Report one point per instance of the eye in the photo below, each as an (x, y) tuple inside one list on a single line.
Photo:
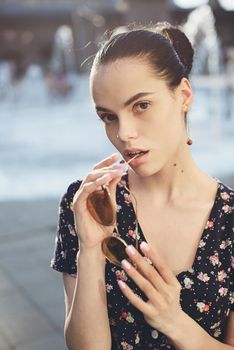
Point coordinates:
[(141, 106), (107, 118)]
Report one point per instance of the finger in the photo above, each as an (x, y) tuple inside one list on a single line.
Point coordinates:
[(90, 187), (142, 281), (134, 299), (113, 183), (159, 263), (147, 270), (105, 179), (107, 161), (94, 175)]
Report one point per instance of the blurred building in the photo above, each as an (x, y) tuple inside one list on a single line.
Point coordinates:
[(28, 27), (223, 11)]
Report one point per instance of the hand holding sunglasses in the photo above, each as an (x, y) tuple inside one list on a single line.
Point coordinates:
[(90, 231), (101, 207)]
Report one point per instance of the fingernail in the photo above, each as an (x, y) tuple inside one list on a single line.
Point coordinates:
[(120, 166), (114, 155), (118, 171), (130, 250), (144, 246), (125, 264), (121, 284)]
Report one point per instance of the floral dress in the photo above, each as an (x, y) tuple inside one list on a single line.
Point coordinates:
[(207, 288)]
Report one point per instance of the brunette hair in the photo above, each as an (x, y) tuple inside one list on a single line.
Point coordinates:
[(166, 47)]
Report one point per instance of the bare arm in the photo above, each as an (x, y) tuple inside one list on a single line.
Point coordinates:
[(229, 336), (197, 338), (86, 322)]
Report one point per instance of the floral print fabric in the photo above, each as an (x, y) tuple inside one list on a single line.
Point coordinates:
[(207, 288)]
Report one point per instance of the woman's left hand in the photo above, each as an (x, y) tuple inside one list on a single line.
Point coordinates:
[(158, 283)]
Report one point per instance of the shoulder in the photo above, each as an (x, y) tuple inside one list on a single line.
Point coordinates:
[(226, 195), (225, 188), (72, 188), (225, 210), (67, 197)]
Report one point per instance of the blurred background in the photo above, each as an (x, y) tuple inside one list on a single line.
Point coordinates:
[(50, 136)]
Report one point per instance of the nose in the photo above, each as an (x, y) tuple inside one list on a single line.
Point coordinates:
[(127, 130)]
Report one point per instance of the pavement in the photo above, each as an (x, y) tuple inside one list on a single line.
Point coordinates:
[(31, 293)]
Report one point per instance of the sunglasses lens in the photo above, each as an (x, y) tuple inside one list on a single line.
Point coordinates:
[(114, 250), (101, 208)]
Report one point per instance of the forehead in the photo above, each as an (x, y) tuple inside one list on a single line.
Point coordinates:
[(122, 79)]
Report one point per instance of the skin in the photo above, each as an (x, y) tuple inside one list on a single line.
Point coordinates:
[(147, 122), (154, 122), (85, 298)]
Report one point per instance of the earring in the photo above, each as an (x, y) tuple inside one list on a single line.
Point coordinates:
[(189, 141), (117, 136)]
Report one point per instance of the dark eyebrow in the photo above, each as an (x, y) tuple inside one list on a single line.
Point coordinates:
[(136, 97), (127, 103), (102, 109)]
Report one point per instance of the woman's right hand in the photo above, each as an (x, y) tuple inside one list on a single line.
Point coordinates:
[(91, 233)]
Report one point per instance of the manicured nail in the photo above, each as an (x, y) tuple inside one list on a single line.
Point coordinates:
[(130, 250), (121, 284), (114, 155), (125, 264), (117, 172), (105, 176), (120, 166), (144, 246)]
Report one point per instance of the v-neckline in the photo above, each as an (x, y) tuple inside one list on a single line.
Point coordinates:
[(204, 232)]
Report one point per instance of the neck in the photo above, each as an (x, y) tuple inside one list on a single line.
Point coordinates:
[(179, 178)]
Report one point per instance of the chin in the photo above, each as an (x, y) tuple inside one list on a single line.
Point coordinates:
[(144, 171)]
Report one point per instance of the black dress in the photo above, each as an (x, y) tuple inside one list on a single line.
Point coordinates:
[(207, 288)]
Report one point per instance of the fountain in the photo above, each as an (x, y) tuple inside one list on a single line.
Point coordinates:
[(210, 118), (63, 59), (62, 65), (200, 28), (37, 86)]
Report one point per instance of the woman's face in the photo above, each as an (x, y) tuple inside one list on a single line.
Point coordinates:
[(140, 113)]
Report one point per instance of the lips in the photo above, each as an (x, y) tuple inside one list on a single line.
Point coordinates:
[(132, 152)]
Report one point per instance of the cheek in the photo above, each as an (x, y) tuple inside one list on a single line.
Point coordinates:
[(111, 133), (166, 127)]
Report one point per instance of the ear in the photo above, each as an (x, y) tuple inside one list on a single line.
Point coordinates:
[(186, 94)]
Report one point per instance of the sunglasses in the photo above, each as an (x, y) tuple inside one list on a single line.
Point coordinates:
[(101, 208)]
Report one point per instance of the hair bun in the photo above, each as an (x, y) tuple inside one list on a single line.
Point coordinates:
[(179, 41)]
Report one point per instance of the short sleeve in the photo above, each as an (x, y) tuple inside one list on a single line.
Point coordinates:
[(232, 265), (66, 241), (232, 285)]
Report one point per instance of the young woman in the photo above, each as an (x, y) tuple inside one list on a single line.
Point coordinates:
[(174, 288)]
